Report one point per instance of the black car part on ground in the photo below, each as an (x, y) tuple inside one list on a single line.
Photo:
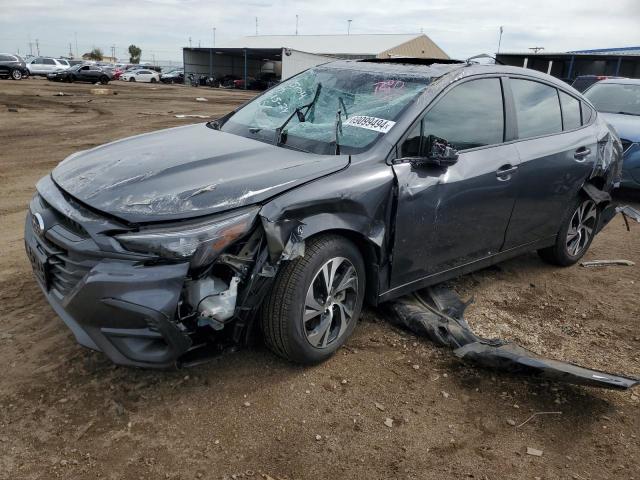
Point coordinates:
[(438, 314)]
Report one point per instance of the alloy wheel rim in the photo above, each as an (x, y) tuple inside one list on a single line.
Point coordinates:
[(581, 227), (17, 75), (330, 302)]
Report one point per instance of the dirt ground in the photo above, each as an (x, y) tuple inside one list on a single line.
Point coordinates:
[(66, 412)]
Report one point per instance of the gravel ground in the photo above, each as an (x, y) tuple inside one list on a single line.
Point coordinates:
[(388, 405)]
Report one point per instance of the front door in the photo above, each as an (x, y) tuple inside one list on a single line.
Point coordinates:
[(448, 217)]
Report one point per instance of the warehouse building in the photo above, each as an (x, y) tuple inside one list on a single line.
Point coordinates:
[(286, 55), (619, 62)]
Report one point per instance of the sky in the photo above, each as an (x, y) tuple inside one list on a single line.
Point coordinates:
[(462, 28)]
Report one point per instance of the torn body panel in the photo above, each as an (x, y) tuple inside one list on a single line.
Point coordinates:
[(438, 313)]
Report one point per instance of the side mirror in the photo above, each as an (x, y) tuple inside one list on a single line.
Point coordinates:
[(439, 153)]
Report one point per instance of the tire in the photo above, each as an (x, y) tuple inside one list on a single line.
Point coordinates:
[(132, 79), (71, 79), (153, 80), (328, 324), (16, 74), (575, 235), (104, 80)]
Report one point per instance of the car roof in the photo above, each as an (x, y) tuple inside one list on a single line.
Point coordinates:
[(431, 68), (622, 81)]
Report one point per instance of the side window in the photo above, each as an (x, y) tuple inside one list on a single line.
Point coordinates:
[(570, 111), (37, 61), (587, 113), (537, 108), (470, 115), (48, 61), (5, 58)]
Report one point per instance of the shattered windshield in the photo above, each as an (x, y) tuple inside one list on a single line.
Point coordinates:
[(368, 103)]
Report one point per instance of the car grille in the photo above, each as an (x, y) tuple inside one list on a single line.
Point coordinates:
[(66, 269)]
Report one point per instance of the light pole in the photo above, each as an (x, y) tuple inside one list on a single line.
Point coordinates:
[(296, 24), (500, 38), (349, 27), (214, 37)]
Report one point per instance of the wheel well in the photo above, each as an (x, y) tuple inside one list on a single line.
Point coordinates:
[(370, 254)]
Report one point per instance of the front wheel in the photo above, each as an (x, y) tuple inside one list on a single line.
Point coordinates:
[(132, 79), (315, 301), (575, 234)]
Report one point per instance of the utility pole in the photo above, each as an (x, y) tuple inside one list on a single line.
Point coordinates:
[(30, 46), (214, 37), (37, 47), (189, 42), (296, 24), (113, 53), (349, 27), (500, 38), (256, 26), (70, 51)]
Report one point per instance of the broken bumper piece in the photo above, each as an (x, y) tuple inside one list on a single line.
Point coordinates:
[(438, 313)]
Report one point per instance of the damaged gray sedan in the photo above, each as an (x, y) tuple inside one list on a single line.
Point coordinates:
[(353, 181)]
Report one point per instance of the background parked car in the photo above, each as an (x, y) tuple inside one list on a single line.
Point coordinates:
[(618, 101), (45, 65), (13, 66), (173, 76), (141, 75), (583, 82), (82, 73)]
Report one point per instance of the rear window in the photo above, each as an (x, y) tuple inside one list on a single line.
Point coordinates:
[(537, 108), (587, 113), (570, 111)]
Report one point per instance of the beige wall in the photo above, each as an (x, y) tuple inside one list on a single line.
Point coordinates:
[(420, 47)]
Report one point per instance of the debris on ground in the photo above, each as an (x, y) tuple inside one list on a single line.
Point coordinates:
[(100, 91), (379, 406), (535, 415), (603, 263), (201, 99), (62, 94), (191, 116), (437, 313), (628, 212), (12, 110), (388, 422), (534, 451)]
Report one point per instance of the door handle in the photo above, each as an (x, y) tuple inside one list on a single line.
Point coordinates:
[(581, 153), (505, 171)]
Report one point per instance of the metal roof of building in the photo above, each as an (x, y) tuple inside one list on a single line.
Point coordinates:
[(356, 44)]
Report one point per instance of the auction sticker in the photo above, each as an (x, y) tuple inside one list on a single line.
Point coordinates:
[(370, 123)]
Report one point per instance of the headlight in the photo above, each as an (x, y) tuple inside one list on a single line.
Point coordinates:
[(201, 242)]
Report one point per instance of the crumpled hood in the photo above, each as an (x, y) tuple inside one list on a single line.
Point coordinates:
[(627, 126), (185, 172)]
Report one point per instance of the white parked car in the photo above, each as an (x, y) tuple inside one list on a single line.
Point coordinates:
[(46, 65), (141, 75)]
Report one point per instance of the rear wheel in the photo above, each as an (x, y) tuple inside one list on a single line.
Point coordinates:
[(315, 301), (16, 74), (104, 80), (575, 234), (153, 80)]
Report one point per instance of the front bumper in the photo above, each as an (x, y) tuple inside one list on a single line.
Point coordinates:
[(121, 307)]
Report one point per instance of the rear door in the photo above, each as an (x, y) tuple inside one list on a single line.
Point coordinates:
[(557, 154), (83, 73), (448, 217), (48, 65)]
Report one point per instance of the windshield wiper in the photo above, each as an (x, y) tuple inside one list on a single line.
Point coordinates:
[(339, 122), (302, 116)]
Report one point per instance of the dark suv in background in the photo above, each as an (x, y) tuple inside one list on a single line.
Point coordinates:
[(353, 180), (13, 66)]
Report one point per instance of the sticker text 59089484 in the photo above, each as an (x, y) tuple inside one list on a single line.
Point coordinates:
[(370, 123)]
